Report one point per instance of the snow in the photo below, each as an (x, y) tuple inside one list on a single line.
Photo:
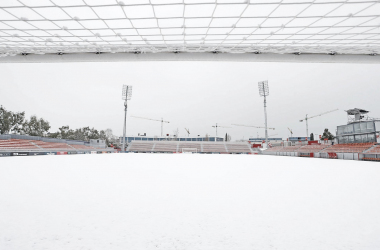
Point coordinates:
[(188, 201)]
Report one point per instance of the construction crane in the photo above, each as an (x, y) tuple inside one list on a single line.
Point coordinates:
[(188, 132), (250, 126), (291, 132), (307, 118), (162, 122), (216, 129)]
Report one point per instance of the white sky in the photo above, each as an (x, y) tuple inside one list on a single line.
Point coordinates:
[(194, 95)]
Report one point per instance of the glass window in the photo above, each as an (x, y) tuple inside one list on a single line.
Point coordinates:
[(350, 139), (340, 130), (363, 127), (364, 138), (144, 139), (377, 125), (370, 127), (371, 138), (345, 130), (340, 139), (357, 128), (350, 129), (358, 138), (150, 139)]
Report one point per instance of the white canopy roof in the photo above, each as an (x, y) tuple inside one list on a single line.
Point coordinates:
[(280, 27)]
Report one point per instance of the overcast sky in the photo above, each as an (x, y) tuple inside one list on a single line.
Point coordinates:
[(195, 95)]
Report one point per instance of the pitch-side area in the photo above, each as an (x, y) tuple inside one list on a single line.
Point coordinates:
[(188, 201)]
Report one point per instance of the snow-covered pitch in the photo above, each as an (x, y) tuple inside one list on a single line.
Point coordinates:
[(188, 201)]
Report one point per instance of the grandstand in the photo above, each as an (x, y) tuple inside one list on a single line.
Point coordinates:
[(314, 148), (372, 154), (349, 148), (14, 144), (374, 150), (350, 151), (179, 146), (284, 149)]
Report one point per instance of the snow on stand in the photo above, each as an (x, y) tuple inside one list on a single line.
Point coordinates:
[(24, 145), (203, 147)]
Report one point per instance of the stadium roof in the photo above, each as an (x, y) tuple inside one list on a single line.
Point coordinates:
[(235, 28), (356, 111)]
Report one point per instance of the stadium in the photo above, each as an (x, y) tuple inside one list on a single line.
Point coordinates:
[(230, 163)]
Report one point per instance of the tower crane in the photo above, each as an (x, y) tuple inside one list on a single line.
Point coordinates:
[(307, 118), (250, 126), (216, 129), (188, 132), (162, 122), (291, 132)]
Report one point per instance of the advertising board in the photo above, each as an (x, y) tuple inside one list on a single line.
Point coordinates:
[(50, 153), (20, 154), (36, 153), (5, 154)]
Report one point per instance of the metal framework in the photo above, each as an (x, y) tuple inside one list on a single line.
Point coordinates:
[(297, 27), (126, 96), (264, 91)]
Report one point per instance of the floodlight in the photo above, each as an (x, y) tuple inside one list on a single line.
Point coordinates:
[(126, 95), (264, 91), (263, 88), (127, 92)]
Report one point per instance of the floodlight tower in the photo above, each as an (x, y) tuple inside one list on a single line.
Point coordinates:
[(264, 91), (126, 95)]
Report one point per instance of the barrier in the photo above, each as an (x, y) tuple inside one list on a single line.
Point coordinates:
[(50, 153), (348, 156), (306, 154), (36, 153), (20, 154), (369, 157)]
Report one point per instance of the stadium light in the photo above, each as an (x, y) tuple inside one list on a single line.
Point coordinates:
[(264, 91), (126, 96)]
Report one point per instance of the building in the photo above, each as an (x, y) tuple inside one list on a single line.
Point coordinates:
[(128, 139), (359, 129)]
